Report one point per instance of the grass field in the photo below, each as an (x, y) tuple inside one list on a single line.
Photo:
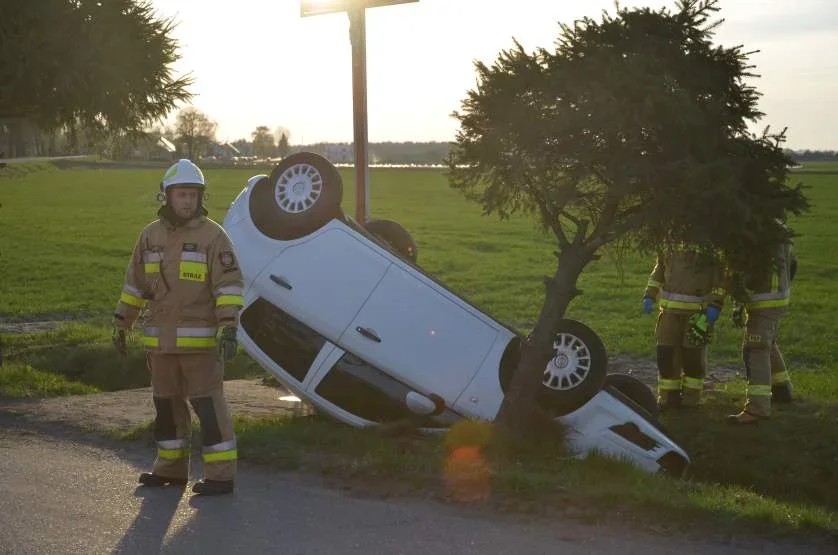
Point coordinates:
[(65, 238)]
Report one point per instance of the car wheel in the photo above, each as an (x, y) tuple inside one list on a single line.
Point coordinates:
[(393, 234), (302, 194), (577, 370), (635, 390)]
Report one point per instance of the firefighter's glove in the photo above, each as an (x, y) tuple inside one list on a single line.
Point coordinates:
[(739, 316), (699, 329), (119, 342), (648, 305), (227, 343)]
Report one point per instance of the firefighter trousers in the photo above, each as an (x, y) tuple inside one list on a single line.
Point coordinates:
[(764, 365), (681, 365), (196, 379)]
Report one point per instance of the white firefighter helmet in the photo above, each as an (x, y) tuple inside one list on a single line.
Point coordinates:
[(183, 173)]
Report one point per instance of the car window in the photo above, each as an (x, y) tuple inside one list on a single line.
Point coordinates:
[(289, 342), (363, 390)]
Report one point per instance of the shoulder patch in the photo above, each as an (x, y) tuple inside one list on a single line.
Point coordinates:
[(227, 259)]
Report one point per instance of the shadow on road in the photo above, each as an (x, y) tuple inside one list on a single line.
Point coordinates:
[(147, 532)]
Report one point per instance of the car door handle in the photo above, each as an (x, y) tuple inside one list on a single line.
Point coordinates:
[(281, 282), (368, 333)]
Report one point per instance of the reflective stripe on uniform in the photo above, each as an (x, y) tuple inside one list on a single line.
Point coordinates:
[(132, 300), (151, 261), (194, 256), (678, 301), (679, 305), (759, 390), (653, 283), (195, 342), (780, 377), (226, 300), (151, 336), (196, 337), (172, 454), (186, 337), (669, 385), (224, 451), (693, 383), (776, 303), (172, 449), (229, 295)]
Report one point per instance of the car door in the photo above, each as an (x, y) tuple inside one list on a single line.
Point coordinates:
[(323, 280), (419, 335)]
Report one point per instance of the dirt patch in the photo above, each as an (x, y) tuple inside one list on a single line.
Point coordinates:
[(646, 370), (41, 322), (128, 409)]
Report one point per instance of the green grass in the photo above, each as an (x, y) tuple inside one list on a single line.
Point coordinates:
[(21, 380), (82, 352), (545, 479), (67, 236)]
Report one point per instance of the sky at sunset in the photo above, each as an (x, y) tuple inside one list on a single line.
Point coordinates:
[(257, 62)]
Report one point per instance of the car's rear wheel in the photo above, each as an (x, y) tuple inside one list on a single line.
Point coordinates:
[(635, 390), (302, 194), (576, 372), (393, 234)]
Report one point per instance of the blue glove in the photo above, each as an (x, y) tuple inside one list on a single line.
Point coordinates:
[(712, 313), (648, 305)]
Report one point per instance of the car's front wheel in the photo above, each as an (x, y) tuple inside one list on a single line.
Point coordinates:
[(577, 370), (303, 193)]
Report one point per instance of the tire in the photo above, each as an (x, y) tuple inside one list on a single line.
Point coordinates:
[(577, 370), (302, 194), (635, 390), (396, 237)]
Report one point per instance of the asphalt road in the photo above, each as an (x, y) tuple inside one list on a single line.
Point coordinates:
[(66, 492)]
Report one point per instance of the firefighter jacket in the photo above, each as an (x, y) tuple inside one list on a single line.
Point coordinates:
[(772, 289), (687, 280), (187, 283)]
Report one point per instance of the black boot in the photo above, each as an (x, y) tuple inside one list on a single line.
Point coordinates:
[(152, 480), (213, 487), (781, 393)]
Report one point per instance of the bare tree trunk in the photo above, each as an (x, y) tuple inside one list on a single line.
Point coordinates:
[(519, 414)]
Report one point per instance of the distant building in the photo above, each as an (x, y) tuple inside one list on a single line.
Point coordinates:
[(160, 148), (223, 151)]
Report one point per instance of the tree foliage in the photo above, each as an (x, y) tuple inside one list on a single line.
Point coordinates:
[(104, 63), (633, 128), (282, 146), (263, 142), (194, 131)]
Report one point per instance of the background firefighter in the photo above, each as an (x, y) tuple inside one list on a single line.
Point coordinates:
[(184, 277), (766, 299), (688, 283)]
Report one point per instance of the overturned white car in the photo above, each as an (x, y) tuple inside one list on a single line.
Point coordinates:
[(343, 316)]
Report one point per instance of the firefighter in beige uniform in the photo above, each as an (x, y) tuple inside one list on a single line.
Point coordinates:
[(766, 303), (688, 283), (184, 273)]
